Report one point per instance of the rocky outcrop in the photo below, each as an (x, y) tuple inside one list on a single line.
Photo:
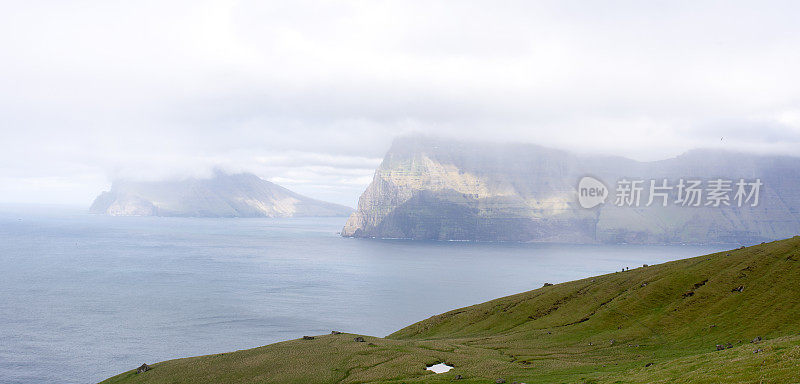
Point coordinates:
[(436, 189), (223, 195)]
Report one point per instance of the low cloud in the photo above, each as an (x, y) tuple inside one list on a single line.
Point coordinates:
[(310, 94)]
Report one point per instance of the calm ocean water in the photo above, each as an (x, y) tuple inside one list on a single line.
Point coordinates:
[(85, 297)]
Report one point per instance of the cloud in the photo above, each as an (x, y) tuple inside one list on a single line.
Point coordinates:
[(311, 93)]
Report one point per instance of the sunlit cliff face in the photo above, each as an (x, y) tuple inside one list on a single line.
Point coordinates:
[(437, 189)]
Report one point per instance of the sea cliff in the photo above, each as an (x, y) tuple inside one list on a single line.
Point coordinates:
[(435, 189)]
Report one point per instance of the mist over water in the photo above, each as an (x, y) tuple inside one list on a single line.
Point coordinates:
[(84, 297)]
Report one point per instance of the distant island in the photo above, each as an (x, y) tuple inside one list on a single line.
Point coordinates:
[(223, 195), (435, 189)]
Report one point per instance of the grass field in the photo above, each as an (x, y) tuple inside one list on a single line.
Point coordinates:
[(655, 324)]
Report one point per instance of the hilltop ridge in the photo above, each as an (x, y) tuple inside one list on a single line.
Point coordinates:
[(726, 317)]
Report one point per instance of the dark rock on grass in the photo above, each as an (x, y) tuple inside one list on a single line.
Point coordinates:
[(308, 337), (756, 340), (335, 333), (143, 368), (738, 289), (728, 346), (648, 364), (688, 294), (458, 377), (547, 285), (720, 347), (358, 339), (500, 381)]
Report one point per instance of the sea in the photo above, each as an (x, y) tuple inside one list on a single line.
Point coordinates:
[(84, 297)]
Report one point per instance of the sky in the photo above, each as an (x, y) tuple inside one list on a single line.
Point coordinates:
[(310, 94)]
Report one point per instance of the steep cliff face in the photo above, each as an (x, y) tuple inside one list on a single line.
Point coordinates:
[(443, 190), (224, 195)]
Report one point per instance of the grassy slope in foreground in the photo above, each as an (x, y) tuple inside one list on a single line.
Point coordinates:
[(651, 324)]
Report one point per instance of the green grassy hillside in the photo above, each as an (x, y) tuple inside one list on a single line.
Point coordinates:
[(659, 323)]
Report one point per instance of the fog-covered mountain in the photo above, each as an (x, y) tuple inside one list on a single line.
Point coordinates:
[(223, 195), (447, 190)]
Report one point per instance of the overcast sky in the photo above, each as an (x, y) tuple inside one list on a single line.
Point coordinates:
[(309, 94)]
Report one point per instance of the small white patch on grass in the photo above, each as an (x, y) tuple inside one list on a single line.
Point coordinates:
[(439, 368)]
